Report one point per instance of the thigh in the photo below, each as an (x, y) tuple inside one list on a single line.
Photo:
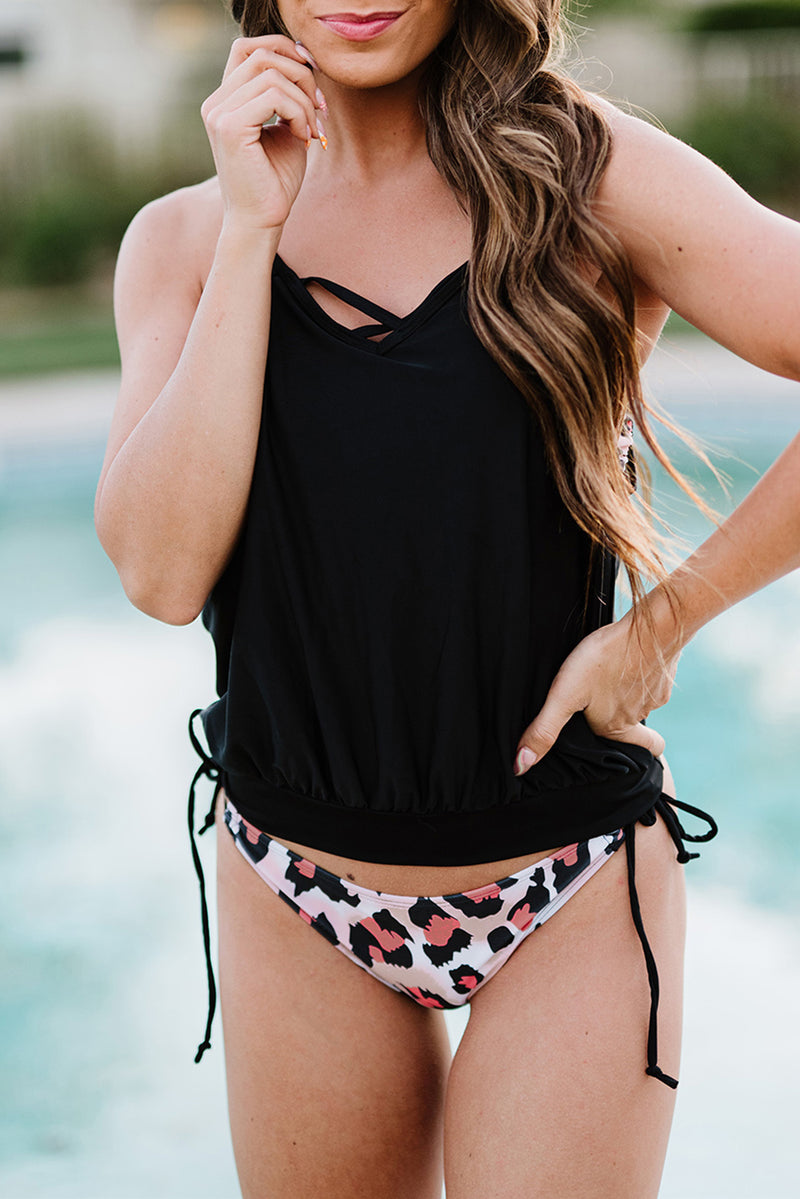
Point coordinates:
[(335, 1082), (548, 1093)]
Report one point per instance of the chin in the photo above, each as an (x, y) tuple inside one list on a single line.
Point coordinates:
[(363, 72), (387, 59)]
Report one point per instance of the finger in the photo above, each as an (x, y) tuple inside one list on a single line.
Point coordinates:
[(541, 733), (275, 102), (244, 47), (261, 62), (640, 734), (251, 94), (306, 54)]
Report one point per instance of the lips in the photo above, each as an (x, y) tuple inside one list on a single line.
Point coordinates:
[(356, 18), (360, 27)]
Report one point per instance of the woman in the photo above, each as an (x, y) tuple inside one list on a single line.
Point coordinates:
[(430, 734)]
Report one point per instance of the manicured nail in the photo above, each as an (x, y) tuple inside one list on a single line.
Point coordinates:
[(301, 50), (525, 759), (321, 131), (321, 101)]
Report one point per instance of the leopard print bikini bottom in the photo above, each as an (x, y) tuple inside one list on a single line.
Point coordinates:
[(439, 950)]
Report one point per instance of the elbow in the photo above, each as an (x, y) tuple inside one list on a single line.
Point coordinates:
[(163, 609), (156, 592), (786, 362), (157, 579), (160, 598)]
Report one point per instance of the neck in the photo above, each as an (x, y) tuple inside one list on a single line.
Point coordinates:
[(372, 133)]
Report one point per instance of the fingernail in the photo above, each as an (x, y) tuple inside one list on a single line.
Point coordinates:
[(321, 101), (525, 759), (321, 131), (301, 50)]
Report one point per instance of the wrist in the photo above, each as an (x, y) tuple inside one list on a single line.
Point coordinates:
[(680, 606), (240, 235)]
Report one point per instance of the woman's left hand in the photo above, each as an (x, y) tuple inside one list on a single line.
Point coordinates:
[(615, 678)]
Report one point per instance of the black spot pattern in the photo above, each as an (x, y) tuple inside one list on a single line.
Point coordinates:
[(330, 886), (563, 874), (473, 977), (499, 938), (362, 938)]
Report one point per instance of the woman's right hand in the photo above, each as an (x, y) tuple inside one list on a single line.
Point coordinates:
[(261, 169)]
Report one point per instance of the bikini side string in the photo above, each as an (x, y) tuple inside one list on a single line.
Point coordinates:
[(210, 770), (664, 806)]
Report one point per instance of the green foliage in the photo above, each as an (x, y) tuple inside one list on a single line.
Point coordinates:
[(58, 345), (744, 16), (54, 237), (67, 195), (61, 234), (757, 143), (600, 7), (580, 10)]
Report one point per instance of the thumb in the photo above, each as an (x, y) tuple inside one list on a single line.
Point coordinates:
[(640, 734), (541, 733)]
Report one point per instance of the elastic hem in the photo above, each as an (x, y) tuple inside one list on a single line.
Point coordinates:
[(438, 838)]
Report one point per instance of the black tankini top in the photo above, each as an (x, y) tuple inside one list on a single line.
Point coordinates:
[(405, 587)]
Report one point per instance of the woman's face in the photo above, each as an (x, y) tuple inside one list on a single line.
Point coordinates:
[(368, 43)]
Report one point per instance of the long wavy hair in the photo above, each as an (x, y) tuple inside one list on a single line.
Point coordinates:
[(523, 149)]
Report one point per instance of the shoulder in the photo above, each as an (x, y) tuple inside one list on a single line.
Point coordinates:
[(726, 263), (645, 161), (661, 197), (657, 190), (176, 232), (164, 261)]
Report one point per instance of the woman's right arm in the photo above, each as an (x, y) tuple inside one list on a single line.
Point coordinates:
[(178, 467)]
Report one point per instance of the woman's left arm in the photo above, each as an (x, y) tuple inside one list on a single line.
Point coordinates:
[(732, 268), (724, 262)]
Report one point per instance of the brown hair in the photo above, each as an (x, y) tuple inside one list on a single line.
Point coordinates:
[(523, 149), (258, 17)]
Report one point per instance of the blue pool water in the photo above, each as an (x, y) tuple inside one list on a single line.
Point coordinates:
[(102, 1001)]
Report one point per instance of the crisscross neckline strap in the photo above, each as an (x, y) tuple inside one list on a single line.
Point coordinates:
[(377, 339), (388, 320)]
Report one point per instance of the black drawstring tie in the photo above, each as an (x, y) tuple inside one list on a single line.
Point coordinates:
[(209, 770), (665, 807)]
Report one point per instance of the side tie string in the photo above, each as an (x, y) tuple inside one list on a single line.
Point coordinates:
[(209, 770), (665, 806), (653, 1069)]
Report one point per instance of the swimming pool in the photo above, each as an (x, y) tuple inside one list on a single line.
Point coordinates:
[(103, 993)]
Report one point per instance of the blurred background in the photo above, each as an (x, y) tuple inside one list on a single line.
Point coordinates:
[(102, 989)]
